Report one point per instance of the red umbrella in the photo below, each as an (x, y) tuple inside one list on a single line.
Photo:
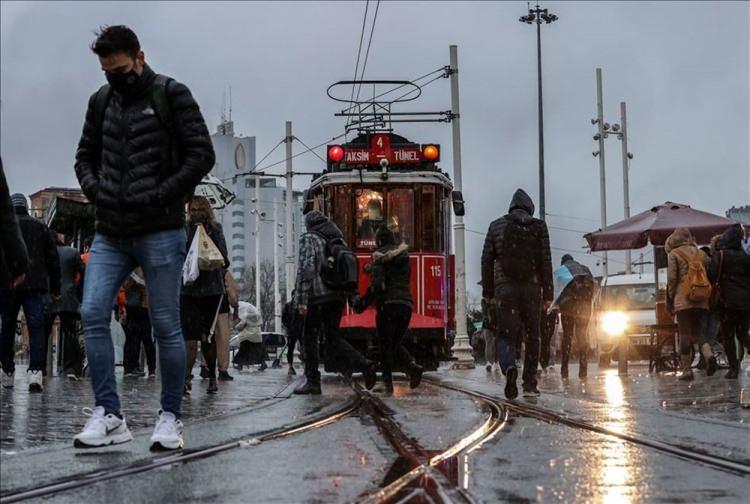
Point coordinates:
[(656, 225)]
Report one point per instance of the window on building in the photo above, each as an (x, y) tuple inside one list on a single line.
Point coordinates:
[(238, 247), (238, 224), (238, 213), (238, 259)]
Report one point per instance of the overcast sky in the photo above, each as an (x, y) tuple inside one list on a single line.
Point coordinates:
[(683, 69)]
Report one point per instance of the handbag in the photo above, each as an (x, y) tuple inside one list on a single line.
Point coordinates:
[(209, 255), (716, 290)]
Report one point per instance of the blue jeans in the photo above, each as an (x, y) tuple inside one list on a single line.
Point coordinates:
[(161, 255), (33, 309)]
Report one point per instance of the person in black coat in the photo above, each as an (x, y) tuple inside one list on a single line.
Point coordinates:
[(13, 257), (200, 300), (517, 281), (43, 276), (390, 291), (730, 271)]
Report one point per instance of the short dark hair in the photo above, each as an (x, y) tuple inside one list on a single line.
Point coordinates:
[(114, 39)]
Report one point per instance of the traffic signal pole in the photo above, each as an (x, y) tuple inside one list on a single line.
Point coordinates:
[(461, 348)]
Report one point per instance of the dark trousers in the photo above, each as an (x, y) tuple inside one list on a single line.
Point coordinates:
[(518, 313), (322, 324), (72, 355), (734, 327), (691, 325), (575, 327), (392, 322), (549, 322), (33, 309), (138, 332)]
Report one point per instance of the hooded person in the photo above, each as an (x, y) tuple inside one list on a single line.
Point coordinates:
[(322, 306), (517, 281), (730, 273), (390, 290), (574, 303), (692, 311), (42, 277)]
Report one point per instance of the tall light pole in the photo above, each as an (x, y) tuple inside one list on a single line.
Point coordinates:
[(539, 16), (602, 127), (626, 157), (461, 347), (289, 260)]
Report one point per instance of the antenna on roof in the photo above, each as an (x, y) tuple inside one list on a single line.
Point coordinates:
[(230, 102)]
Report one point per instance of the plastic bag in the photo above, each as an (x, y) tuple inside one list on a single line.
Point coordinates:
[(209, 255), (190, 270)]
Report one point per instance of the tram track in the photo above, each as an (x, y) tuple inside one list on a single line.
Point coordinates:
[(555, 417), (425, 478), (81, 480)]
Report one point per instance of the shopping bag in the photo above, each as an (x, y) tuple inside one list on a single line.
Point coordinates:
[(190, 270), (209, 255)]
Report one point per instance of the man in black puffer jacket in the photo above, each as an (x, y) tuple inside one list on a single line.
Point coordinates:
[(730, 269), (391, 292), (516, 277), (143, 150)]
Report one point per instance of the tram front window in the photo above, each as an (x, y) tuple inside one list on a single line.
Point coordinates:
[(369, 217), (401, 215)]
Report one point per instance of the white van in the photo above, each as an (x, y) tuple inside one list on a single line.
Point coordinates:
[(625, 307)]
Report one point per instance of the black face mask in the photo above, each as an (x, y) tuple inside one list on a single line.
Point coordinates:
[(199, 217), (122, 82)]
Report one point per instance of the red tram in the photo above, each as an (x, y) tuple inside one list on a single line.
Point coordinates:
[(382, 178)]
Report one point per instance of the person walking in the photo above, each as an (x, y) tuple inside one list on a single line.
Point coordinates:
[(137, 326), (322, 306), (729, 272), (14, 260), (68, 308), (575, 311), (229, 308), (688, 294), (200, 301), (43, 277), (390, 291), (294, 324), (517, 281), (143, 149)]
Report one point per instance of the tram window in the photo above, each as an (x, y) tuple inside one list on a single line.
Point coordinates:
[(369, 217), (401, 214), (342, 201), (429, 223)]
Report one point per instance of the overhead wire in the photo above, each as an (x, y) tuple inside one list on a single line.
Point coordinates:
[(413, 81), (258, 163), (359, 54), (311, 150), (367, 53)]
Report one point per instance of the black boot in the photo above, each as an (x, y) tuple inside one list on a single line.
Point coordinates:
[(263, 366), (291, 371), (308, 388), (212, 386), (415, 375), (370, 374), (204, 372), (225, 376), (711, 366), (511, 389)]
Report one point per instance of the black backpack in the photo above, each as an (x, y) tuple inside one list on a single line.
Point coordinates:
[(341, 269), (521, 251)]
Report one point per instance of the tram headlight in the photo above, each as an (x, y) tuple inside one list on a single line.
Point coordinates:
[(431, 152), (335, 153), (614, 323)]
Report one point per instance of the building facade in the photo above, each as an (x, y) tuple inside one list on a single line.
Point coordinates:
[(235, 160)]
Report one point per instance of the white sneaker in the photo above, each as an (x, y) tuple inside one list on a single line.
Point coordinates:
[(102, 430), (167, 433), (7, 379), (35, 381)]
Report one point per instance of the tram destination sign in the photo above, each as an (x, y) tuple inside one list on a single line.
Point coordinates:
[(380, 148)]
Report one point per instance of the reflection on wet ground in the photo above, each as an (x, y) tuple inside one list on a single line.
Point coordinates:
[(29, 420)]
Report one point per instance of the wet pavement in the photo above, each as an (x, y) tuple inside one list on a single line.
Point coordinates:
[(345, 461)]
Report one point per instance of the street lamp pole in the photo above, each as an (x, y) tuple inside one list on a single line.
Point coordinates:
[(539, 16)]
